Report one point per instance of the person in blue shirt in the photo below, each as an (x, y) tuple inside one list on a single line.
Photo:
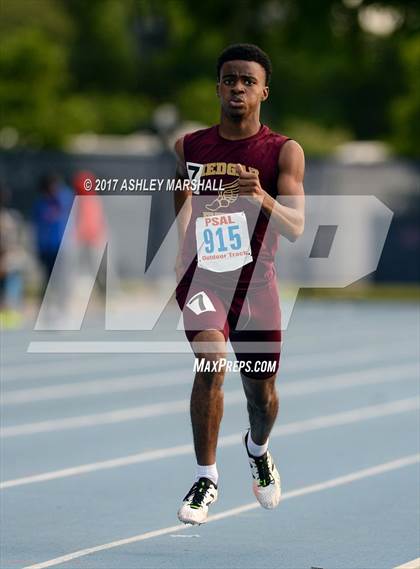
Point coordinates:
[(51, 213)]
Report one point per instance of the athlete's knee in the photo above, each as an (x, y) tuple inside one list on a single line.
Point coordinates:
[(265, 402), (262, 367), (261, 394), (209, 381), (210, 352), (210, 346)]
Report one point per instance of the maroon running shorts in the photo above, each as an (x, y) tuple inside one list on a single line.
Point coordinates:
[(251, 320)]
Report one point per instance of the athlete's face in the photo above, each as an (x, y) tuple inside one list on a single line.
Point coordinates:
[(241, 88)]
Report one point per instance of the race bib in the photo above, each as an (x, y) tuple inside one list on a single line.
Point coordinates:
[(223, 242)]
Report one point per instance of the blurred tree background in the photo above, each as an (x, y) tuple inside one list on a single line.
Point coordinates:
[(343, 69)]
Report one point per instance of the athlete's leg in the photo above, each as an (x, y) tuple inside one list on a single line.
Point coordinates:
[(259, 328), (263, 406), (206, 327), (207, 395), (256, 339)]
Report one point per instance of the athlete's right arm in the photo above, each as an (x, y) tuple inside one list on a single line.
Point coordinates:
[(182, 200)]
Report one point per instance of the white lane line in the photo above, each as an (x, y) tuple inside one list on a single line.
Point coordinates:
[(137, 381), (140, 381), (299, 492), (58, 369), (293, 428), (372, 376), (294, 389), (110, 417), (25, 361), (341, 357), (414, 564)]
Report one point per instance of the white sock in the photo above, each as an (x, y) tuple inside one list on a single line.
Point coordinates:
[(207, 471), (254, 449)]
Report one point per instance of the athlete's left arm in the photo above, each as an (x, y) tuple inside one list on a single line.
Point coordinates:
[(288, 219)]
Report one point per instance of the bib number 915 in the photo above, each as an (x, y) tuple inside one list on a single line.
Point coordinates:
[(223, 242), (222, 239)]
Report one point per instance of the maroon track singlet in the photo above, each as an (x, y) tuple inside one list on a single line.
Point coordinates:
[(211, 160)]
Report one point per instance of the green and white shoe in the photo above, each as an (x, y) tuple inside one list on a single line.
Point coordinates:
[(195, 506), (266, 483)]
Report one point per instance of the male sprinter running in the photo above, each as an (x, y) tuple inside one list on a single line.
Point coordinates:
[(225, 268)]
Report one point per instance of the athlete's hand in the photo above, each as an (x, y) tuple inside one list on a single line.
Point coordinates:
[(249, 184)]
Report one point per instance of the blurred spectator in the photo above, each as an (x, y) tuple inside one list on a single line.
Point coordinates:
[(89, 228), (13, 258), (51, 213)]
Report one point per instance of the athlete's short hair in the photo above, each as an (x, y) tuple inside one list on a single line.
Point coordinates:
[(245, 52)]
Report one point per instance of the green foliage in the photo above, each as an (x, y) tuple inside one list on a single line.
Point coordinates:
[(33, 78), (118, 113), (317, 140), (71, 66), (47, 15), (405, 110), (197, 101), (103, 52)]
